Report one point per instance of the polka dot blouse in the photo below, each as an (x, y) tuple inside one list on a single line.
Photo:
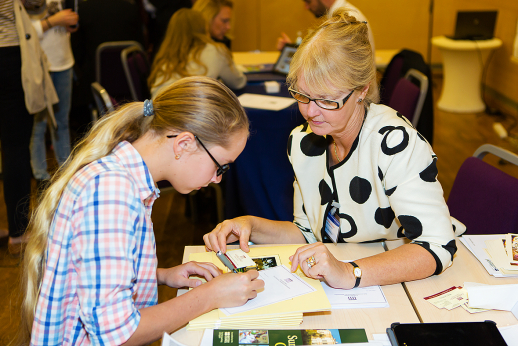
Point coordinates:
[(386, 187)]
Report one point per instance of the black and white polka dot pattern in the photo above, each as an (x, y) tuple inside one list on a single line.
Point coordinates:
[(387, 186)]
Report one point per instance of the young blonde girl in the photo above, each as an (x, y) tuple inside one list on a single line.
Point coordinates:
[(188, 50), (90, 268)]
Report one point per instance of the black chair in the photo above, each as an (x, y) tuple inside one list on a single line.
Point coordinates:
[(397, 69), (136, 69)]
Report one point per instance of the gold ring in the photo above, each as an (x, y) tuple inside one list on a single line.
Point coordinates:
[(311, 261)]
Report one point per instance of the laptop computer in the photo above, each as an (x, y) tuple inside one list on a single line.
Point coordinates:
[(277, 71), (475, 25)]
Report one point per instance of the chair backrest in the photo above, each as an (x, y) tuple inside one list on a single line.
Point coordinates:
[(409, 94), (136, 69), (396, 69), (109, 71), (103, 101), (484, 198), (392, 75)]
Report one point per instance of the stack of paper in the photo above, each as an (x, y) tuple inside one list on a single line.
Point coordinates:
[(356, 298), (285, 298), (498, 253)]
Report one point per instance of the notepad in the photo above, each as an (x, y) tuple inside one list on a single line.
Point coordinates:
[(272, 103)]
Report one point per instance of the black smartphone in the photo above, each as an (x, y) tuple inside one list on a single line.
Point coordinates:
[(445, 334)]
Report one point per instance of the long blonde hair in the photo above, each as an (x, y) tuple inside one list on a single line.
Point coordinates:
[(336, 55), (185, 38), (199, 105)]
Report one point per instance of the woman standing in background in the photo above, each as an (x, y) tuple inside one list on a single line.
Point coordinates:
[(24, 90)]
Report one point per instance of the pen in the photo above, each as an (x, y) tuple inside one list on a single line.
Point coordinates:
[(224, 259)]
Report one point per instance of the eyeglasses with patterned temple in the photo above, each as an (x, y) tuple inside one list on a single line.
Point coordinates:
[(221, 168), (322, 103)]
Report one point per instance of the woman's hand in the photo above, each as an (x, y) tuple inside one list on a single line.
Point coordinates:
[(229, 231), (327, 267), (230, 290), (179, 276)]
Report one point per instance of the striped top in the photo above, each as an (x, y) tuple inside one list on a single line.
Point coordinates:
[(8, 33), (101, 259)]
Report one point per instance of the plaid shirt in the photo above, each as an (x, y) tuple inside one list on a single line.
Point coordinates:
[(101, 258)]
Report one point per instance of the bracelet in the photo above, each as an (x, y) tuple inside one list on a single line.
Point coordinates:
[(48, 23)]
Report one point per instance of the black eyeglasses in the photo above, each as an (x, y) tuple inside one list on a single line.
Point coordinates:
[(322, 103), (221, 169)]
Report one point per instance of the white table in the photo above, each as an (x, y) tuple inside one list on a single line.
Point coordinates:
[(463, 63), (374, 321), (465, 268)]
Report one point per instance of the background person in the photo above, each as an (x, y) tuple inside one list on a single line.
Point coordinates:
[(326, 7), (187, 50), (21, 58), (362, 172), (218, 13), (54, 34), (90, 268)]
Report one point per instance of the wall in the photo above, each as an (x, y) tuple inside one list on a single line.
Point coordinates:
[(395, 24)]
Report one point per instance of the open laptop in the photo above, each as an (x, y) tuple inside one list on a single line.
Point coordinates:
[(277, 71), (475, 25)]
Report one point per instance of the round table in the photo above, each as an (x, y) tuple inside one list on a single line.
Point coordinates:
[(463, 63)]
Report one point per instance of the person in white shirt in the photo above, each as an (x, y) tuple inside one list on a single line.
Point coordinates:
[(188, 50), (54, 34), (322, 7), (362, 172)]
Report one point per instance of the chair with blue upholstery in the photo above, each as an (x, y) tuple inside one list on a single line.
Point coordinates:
[(483, 197)]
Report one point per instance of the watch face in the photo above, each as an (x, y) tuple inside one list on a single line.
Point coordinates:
[(357, 272)]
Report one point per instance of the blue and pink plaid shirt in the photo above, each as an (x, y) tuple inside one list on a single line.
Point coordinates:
[(101, 257)]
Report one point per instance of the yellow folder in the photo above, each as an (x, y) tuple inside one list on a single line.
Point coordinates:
[(286, 312)]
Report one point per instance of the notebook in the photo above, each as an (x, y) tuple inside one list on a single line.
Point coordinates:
[(475, 25), (277, 71)]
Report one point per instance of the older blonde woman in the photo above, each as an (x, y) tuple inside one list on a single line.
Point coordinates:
[(188, 50), (362, 172)]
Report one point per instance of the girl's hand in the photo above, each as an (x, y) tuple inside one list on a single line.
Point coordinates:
[(230, 290), (179, 276)]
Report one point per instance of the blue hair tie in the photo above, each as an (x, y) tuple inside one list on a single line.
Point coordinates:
[(148, 108)]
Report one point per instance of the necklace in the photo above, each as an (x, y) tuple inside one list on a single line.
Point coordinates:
[(336, 153)]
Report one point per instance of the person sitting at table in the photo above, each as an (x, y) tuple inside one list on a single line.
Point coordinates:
[(187, 50), (90, 268), (218, 13), (362, 172)]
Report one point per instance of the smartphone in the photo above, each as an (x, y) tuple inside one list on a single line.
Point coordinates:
[(445, 334)]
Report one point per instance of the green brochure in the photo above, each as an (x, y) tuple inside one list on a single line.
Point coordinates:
[(294, 337)]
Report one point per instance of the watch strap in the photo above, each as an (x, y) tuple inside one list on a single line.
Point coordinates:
[(358, 278)]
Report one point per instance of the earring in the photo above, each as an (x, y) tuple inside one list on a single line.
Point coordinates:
[(177, 157), (360, 100)]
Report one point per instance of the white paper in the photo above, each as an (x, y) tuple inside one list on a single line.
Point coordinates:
[(477, 245), (208, 335), (272, 103), (498, 297), (356, 298), (167, 340), (510, 334), (279, 284)]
